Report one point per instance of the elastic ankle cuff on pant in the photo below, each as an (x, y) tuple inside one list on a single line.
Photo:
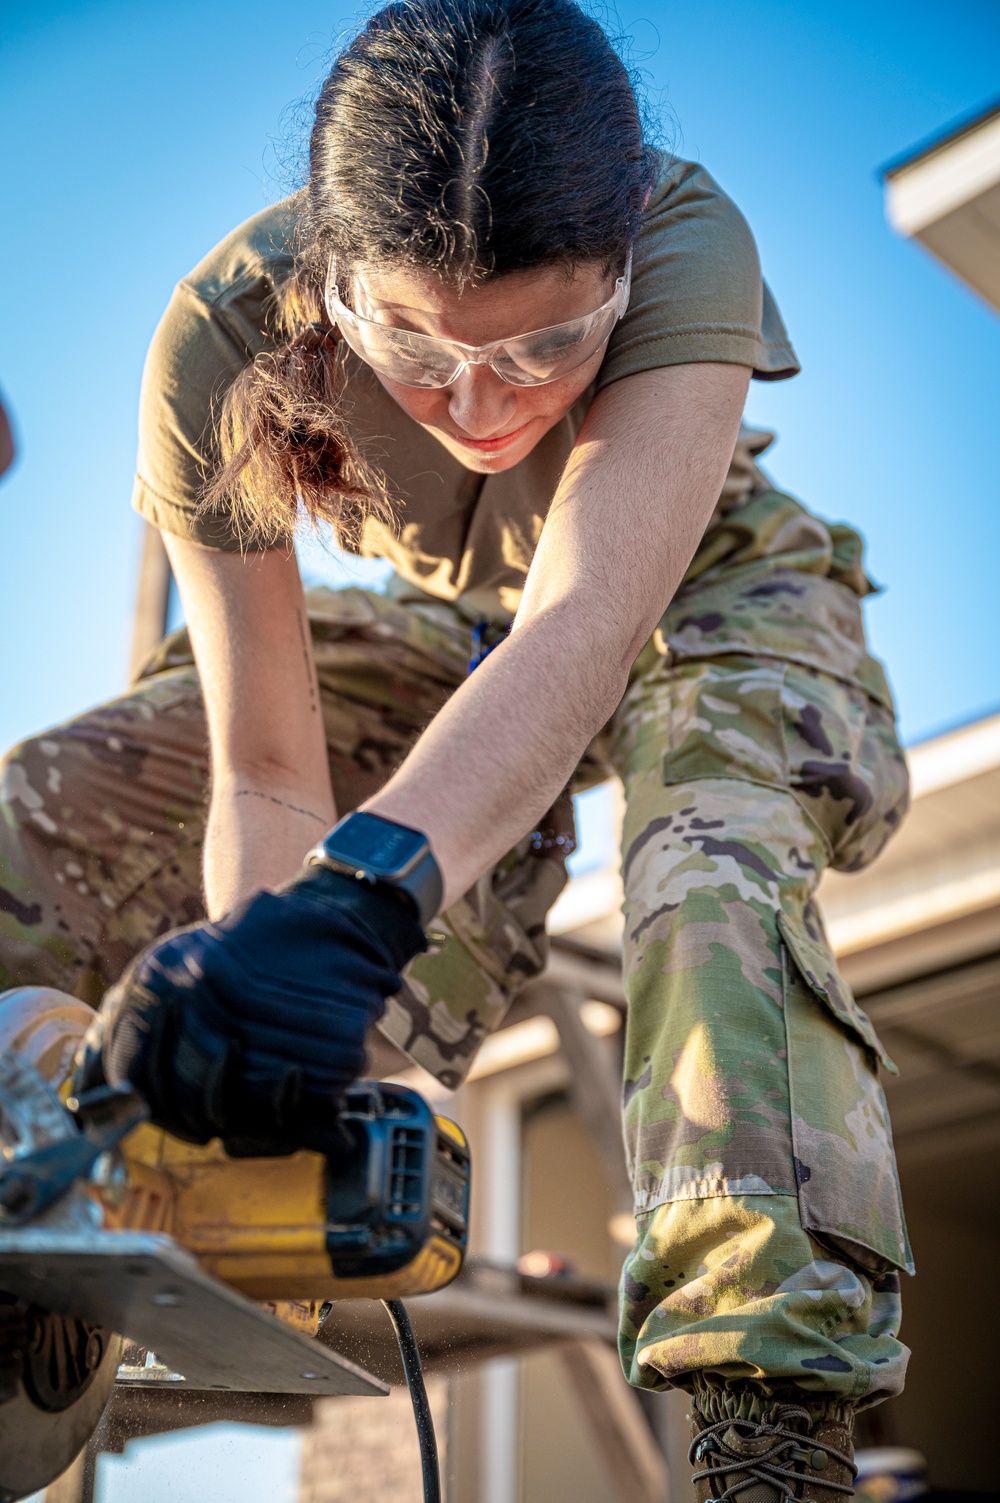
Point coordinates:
[(716, 1399)]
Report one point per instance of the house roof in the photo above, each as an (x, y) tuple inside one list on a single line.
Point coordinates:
[(946, 194)]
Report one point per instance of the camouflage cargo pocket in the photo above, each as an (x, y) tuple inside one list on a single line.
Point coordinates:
[(846, 765), (845, 1164), (823, 739), (810, 950)]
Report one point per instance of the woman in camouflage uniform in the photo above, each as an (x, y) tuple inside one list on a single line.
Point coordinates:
[(435, 347)]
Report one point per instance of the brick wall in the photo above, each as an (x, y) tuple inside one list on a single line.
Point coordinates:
[(365, 1450)]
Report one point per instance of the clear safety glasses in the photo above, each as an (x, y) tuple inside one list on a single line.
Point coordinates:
[(531, 359)]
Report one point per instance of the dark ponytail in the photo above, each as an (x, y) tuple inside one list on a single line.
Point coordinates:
[(469, 138)]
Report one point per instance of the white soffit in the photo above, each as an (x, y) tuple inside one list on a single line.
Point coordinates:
[(922, 191), (955, 756), (946, 196)]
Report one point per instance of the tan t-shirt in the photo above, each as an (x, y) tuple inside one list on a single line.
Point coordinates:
[(697, 295)]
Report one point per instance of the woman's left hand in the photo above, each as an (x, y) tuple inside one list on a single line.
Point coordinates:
[(249, 1028)]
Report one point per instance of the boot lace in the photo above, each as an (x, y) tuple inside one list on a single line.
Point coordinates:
[(777, 1465)]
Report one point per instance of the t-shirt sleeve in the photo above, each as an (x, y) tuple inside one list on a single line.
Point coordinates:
[(697, 289), (192, 361)]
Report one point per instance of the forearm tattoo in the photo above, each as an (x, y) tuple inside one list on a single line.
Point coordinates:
[(282, 803)]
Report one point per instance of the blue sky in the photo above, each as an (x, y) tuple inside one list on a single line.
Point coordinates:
[(137, 135)]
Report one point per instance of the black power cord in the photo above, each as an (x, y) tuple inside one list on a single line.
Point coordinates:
[(414, 1372)]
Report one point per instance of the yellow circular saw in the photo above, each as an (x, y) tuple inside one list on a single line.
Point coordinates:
[(111, 1229)]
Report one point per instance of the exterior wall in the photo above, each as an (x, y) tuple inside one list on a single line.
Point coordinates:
[(558, 1457), (365, 1450), (567, 1204), (951, 1322)]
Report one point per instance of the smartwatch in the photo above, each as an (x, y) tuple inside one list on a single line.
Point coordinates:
[(385, 854)]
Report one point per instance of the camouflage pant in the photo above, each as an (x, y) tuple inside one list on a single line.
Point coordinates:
[(770, 1229), (770, 1225)]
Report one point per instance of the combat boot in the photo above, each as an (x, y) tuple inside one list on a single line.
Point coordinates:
[(787, 1452)]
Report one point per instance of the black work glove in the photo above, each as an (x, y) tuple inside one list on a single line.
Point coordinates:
[(249, 1029)]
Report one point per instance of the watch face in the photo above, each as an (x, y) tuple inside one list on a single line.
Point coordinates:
[(380, 847)]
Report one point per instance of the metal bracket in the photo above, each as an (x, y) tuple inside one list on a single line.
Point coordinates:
[(147, 1288)]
